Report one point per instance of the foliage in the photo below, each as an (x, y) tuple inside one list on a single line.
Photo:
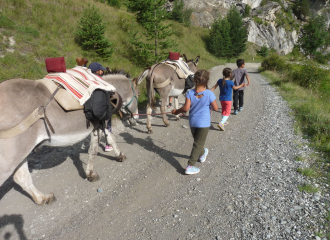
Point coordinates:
[(301, 9), (263, 51), (257, 20), (321, 58), (220, 42), (90, 34), (247, 11), (308, 76), (152, 45), (114, 3), (228, 36), (238, 31), (275, 63), (181, 14), (314, 35)]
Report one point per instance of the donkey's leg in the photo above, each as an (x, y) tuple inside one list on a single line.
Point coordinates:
[(111, 140), (176, 104), (92, 152), (149, 110), (163, 109), (23, 178)]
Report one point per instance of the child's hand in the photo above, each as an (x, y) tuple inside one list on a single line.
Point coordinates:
[(174, 111)]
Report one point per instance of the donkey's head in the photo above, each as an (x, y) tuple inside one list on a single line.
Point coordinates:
[(192, 63), (127, 89)]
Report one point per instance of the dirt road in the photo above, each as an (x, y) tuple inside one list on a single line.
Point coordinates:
[(247, 188)]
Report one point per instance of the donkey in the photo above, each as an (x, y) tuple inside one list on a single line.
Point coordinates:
[(158, 74), (19, 97)]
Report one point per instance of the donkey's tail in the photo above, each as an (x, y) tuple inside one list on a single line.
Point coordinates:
[(143, 75), (151, 96)]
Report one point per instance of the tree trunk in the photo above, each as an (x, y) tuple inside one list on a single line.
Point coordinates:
[(155, 33)]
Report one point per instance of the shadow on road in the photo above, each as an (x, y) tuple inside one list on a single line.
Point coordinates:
[(148, 144), (15, 220)]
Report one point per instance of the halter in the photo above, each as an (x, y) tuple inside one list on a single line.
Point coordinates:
[(134, 97)]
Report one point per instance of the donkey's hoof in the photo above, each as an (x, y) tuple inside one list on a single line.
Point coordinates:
[(167, 124), (178, 118), (150, 131), (93, 177), (51, 199), (121, 157), (46, 199)]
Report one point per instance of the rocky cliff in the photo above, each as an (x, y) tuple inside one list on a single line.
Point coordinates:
[(269, 23)]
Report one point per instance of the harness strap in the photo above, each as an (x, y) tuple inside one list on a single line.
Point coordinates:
[(23, 125), (134, 97), (38, 113), (163, 84)]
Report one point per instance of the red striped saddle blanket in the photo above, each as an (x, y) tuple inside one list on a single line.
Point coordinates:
[(80, 82)]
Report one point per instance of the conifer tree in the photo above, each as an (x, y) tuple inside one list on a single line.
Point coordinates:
[(216, 41), (151, 14), (90, 34), (227, 50), (238, 32)]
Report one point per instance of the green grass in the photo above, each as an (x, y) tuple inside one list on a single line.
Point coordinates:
[(44, 28), (309, 172), (308, 188)]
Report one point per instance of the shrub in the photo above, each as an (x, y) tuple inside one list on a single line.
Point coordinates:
[(320, 58), (275, 63), (247, 11), (114, 3), (309, 76), (263, 51)]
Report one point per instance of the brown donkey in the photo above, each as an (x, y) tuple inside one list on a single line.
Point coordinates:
[(19, 97), (156, 76)]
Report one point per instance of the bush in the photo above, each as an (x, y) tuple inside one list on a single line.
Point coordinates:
[(247, 11), (115, 3), (320, 58), (275, 63), (309, 76), (263, 51)]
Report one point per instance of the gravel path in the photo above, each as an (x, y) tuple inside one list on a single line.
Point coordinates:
[(247, 188)]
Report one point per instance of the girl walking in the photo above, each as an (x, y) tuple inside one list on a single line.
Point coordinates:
[(226, 91), (198, 102)]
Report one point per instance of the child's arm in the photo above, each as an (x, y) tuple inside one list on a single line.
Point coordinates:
[(248, 79), (214, 105), (214, 87), (184, 109), (237, 87)]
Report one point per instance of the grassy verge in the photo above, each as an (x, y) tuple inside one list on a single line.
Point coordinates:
[(306, 89)]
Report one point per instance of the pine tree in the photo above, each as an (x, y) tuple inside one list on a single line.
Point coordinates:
[(90, 34), (238, 31), (151, 14), (216, 41), (220, 44), (314, 35), (227, 43)]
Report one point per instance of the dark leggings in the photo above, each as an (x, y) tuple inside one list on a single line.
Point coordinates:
[(199, 135), (238, 96)]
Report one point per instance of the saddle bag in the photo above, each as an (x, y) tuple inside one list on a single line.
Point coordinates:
[(98, 106), (189, 83), (55, 64)]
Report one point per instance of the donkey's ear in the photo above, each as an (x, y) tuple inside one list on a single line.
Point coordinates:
[(185, 57), (197, 60)]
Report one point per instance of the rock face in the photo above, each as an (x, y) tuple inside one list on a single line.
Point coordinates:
[(269, 33), (266, 31)]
